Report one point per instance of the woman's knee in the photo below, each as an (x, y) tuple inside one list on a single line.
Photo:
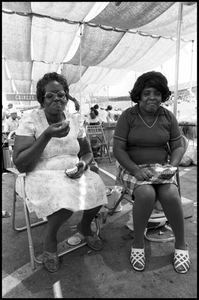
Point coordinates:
[(169, 195), (145, 193), (60, 214)]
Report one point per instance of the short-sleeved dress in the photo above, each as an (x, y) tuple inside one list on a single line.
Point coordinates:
[(47, 187), (146, 145)]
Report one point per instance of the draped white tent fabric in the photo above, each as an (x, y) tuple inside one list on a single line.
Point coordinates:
[(116, 37)]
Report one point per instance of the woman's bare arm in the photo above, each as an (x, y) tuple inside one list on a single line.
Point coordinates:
[(28, 150)]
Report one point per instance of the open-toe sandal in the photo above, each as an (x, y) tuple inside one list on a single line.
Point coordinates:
[(181, 261), (137, 259), (93, 241), (51, 261)]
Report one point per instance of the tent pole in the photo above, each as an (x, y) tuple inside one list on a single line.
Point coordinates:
[(191, 65), (80, 70), (177, 58)]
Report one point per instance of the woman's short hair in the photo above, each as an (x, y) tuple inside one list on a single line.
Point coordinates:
[(150, 79), (48, 77), (94, 113), (109, 107), (96, 106)]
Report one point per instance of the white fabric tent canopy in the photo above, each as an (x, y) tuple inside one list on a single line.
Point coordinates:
[(116, 37)]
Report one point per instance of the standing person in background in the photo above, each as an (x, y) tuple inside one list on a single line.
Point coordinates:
[(103, 114), (10, 108), (142, 135), (12, 122), (7, 111), (3, 118), (96, 106), (110, 115)]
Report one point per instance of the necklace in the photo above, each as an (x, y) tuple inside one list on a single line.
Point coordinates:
[(146, 123)]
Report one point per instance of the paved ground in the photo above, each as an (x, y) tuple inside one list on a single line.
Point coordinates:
[(104, 274)]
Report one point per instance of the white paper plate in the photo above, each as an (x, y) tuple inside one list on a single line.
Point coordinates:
[(74, 240)]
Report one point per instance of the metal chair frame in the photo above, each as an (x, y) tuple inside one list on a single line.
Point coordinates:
[(97, 132), (29, 225), (33, 259)]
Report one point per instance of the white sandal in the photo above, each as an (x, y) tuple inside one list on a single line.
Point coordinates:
[(137, 259), (181, 261)]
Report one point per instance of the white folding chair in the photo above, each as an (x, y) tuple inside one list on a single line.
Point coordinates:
[(63, 247), (97, 138)]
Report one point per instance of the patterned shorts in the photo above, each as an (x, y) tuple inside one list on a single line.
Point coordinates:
[(131, 183)]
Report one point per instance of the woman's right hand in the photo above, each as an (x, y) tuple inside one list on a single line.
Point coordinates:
[(58, 130), (143, 175)]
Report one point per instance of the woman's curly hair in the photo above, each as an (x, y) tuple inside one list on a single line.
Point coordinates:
[(48, 77), (150, 79)]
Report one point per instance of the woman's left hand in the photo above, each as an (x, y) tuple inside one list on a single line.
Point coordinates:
[(80, 170)]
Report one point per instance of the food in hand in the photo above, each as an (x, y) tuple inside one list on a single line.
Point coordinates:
[(65, 122), (71, 171), (165, 169), (166, 172)]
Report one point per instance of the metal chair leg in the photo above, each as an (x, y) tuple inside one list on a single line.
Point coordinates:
[(33, 258), (111, 212), (22, 228)]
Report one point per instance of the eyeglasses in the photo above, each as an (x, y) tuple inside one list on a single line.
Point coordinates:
[(51, 96)]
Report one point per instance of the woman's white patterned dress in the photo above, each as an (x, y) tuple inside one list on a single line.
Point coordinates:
[(47, 187)]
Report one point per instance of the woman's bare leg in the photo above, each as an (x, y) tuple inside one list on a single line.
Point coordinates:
[(143, 205), (54, 223), (88, 216), (168, 196)]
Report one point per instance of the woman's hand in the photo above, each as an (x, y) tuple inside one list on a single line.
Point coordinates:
[(143, 175), (58, 130), (78, 172)]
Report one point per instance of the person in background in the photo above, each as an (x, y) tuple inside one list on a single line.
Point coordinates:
[(12, 122), (7, 110), (94, 117), (142, 135), (48, 143), (110, 115), (103, 114), (3, 118), (10, 108), (96, 106)]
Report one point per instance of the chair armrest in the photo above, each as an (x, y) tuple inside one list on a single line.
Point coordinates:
[(13, 170), (16, 172)]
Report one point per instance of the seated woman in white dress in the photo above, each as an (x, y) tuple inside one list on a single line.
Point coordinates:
[(48, 141)]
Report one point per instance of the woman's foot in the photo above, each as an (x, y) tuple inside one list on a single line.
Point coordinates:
[(51, 261), (50, 256), (137, 258), (84, 231), (92, 239), (181, 260)]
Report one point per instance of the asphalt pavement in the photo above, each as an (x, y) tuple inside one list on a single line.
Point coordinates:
[(85, 273)]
